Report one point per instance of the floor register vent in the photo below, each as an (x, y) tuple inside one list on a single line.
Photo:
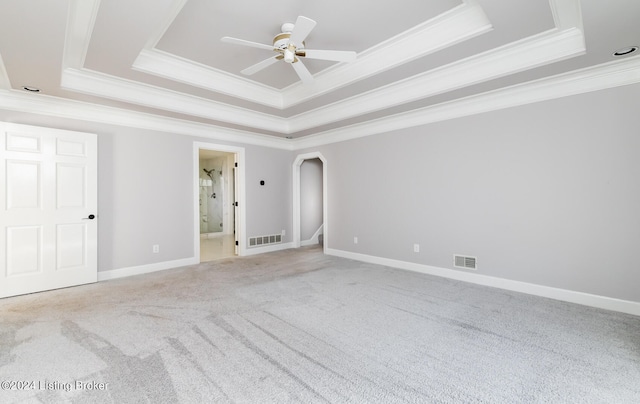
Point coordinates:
[(461, 261), (265, 240)]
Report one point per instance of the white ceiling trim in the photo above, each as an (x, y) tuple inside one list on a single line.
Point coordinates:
[(530, 52), (42, 104), (169, 66), (525, 54), (5, 83), (447, 29), (81, 18), (458, 24), (103, 85), (608, 75), (595, 78)]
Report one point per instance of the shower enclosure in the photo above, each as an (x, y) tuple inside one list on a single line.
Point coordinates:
[(215, 192)]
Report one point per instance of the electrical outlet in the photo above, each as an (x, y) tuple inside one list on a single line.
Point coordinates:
[(156, 248), (355, 240), (284, 233), (416, 248)]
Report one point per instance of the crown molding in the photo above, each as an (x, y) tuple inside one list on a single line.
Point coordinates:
[(595, 78), (106, 86), (545, 48), (46, 105), (175, 68), (5, 83), (608, 75), (457, 25), (525, 54), (80, 21), (454, 26)]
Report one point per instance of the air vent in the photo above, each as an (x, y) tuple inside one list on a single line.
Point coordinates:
[(265, 240), (461, 261)]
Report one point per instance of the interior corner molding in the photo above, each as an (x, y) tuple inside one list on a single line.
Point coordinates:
[(586, 299)]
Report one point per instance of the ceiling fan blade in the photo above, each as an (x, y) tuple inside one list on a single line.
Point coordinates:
[(261, 65), (302, 71), (301, 29), (338, 56), (237, 41)]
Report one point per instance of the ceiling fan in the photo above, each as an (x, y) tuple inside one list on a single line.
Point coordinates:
[(290, 46)]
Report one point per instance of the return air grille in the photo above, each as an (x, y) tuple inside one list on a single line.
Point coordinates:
[(265, 240), (461, 261)]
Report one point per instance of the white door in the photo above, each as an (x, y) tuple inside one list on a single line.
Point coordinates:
[(48, 209), (235, 203)]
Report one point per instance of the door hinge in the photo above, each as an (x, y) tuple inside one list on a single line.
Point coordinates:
[(236, 204), (236, 164), (236, 242)]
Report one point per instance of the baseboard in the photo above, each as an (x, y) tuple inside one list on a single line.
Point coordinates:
[(586, 299), (144, 269), (266, 249), (314, 239)]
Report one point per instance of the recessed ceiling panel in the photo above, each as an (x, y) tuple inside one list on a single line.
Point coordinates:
[(352, 25)]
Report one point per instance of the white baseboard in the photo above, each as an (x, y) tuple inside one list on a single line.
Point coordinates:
[(314, 239), (586, 299), (266, 249), (145, 269)]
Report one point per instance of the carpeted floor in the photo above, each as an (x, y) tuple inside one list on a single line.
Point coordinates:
[(298, 326)]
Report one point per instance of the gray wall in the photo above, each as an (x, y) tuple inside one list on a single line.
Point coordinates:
[(146, 197), (310, 197), (546, 193)]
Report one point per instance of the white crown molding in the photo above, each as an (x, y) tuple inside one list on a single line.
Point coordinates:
[(566, 14), (103, 85), (595, 78), (169, 66), (586, 299), (80, 21), (528, 53), (531, 52), (5, 83), (457, 25), (46, 105), (170, 16), (608, 75)]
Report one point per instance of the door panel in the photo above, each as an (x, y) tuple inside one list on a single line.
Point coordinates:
[(49, 190)]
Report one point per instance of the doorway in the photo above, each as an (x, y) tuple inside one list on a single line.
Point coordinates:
[(310, 210), (218, 212)]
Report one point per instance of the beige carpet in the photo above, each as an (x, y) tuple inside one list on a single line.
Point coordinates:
[(301, 327)]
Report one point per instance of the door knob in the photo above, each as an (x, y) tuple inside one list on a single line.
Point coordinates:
[(90, 217)]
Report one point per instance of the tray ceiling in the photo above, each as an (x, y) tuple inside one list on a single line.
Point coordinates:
[(164, 58)]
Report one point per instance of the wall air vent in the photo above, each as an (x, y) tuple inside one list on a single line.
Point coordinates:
[(265, 240), (461, 261)]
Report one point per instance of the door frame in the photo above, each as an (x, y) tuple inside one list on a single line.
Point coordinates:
[(296, 199), (240, 213)]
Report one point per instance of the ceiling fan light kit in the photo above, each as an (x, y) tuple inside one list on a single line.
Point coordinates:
[(290, 46)]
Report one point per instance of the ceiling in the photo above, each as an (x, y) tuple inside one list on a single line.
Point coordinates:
[(417, 61)]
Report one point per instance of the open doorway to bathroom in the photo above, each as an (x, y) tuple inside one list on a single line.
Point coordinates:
[(218, 191)]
